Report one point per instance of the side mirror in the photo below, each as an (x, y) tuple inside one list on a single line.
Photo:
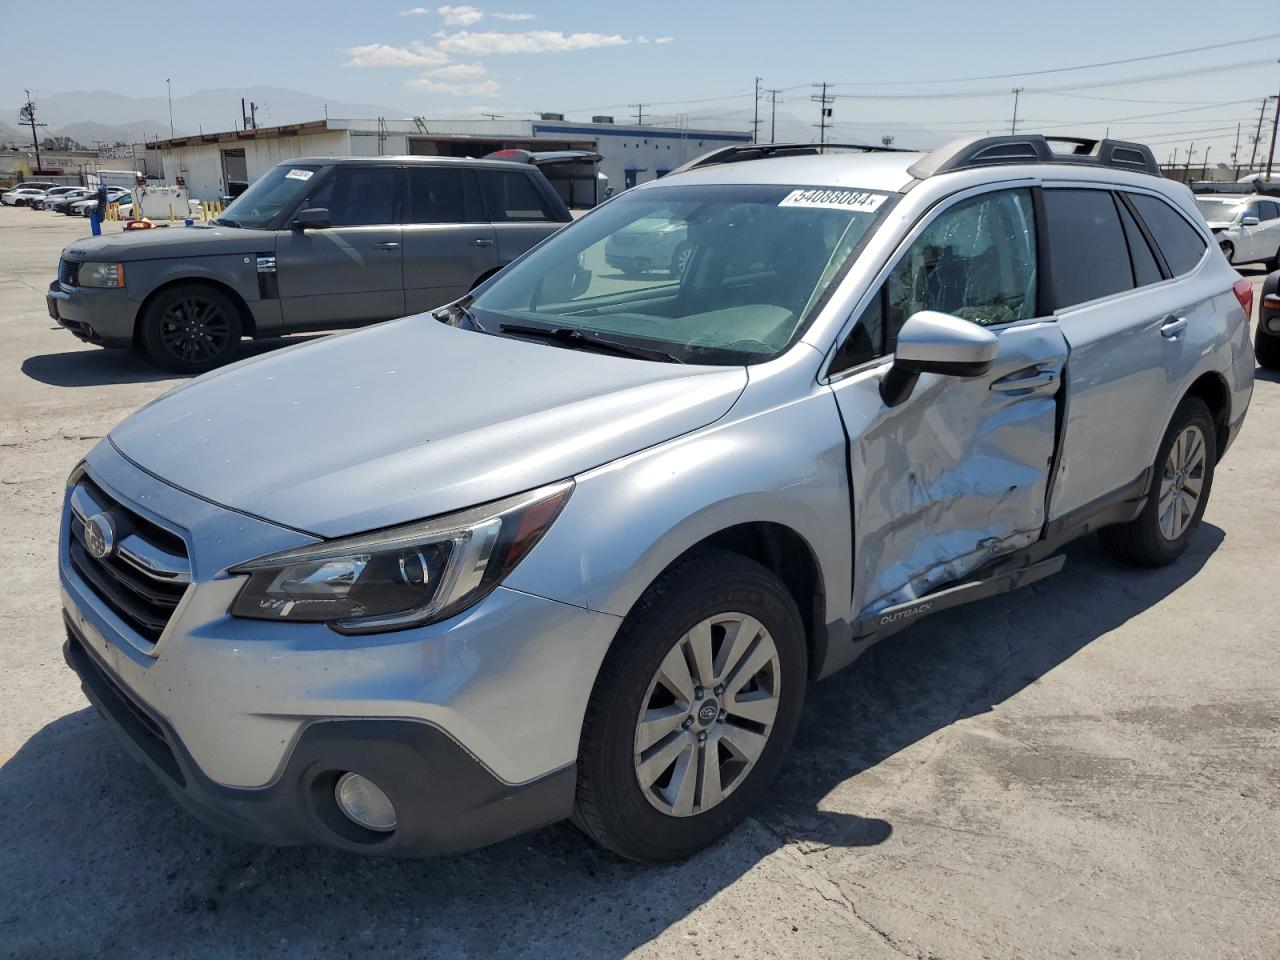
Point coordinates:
[(312, 218), (932, 342), (1248, 220)]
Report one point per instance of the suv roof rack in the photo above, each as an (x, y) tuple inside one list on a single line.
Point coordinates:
[(759, 151), (1035, 148)]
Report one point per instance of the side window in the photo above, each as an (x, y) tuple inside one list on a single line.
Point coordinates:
[(357, 196), (440, 195), (1270, 210), (512, 196), (1088, 256), (1181, 243), (1145, 268), (976, 260), (864, 341)]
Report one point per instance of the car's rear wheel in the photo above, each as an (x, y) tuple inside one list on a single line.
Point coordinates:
[(1180, 486), (191, 328), (1228, 250), (693, 710)]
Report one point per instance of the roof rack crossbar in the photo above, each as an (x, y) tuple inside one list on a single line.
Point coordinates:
[(759, 151), (1035, 148)]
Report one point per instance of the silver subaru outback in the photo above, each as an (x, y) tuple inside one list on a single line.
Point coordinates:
[(575, 544)]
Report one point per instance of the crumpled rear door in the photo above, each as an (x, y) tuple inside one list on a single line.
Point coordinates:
[(956, 475)]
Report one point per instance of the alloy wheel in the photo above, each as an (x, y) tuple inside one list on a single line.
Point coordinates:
[(1182, 482), (194, 329), (707, 715)]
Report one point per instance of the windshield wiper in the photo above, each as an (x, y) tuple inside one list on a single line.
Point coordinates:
[(227, 222), (451, 313), (573, 337)]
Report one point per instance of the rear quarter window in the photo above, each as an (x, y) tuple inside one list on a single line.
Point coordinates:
[(1180, 242), (513, 197)]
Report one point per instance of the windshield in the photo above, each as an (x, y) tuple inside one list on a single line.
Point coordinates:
[(727, 274), (1219, 209), (276, 190)]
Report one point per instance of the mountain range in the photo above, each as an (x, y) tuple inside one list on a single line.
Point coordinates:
[(91, 115)]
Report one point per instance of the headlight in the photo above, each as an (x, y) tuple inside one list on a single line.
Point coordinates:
[(403, 576), (102, 274)]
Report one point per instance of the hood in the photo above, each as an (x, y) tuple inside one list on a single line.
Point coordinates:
[(408, 420), (173, 242)]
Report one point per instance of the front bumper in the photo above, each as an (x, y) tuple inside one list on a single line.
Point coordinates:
[(101, 316), (445, 799), (474, 721)]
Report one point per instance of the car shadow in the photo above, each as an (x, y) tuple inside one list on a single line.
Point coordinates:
[(97, 860), (99, 367)]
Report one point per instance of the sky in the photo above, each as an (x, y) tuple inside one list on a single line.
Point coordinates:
[(899, 68)]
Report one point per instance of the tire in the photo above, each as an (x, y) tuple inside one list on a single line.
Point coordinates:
[(1158, 537), (191, 328), (648, 824), (1266, 346), (1228, 250), (680, 259)]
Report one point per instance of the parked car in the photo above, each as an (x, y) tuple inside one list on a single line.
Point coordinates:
[(1266, 341), (1246, 228), (87, 206), (315, 244), (657, 243), (28, 185), (60, 204), (50, 195), (21, 196), (573, 546)]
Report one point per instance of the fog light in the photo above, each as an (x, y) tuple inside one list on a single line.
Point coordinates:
[(1273, 325), (364, 803)]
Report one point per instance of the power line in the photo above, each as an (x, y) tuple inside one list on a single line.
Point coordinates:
[(1083, 66)]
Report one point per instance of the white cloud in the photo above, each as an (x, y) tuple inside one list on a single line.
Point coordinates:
[(457, 71), (664, 40), (415, 54), (513, 16), (416, 11), (642, 39), (485, 88), (532, 41), (460, 16)]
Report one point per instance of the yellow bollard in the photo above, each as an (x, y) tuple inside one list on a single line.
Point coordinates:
[(171, 213)]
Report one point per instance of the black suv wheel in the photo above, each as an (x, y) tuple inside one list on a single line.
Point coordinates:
[(191, 328)]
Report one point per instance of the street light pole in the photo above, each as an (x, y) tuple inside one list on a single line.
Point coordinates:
[(169, 87), (1017, 92)]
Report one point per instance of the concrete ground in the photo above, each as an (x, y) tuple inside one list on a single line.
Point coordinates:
[(1087, 768)]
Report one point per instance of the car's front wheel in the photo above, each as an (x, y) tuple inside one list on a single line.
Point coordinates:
[(694, 709), (1183, 477), (191, 328)]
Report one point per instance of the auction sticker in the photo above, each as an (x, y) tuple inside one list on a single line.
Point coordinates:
[(857, 201), (299, 174)]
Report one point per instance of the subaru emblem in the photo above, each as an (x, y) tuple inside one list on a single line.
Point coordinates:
[(99, 536)]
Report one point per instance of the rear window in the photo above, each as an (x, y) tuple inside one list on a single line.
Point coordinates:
[(1180, 242), (512, 196), (1088, 256)]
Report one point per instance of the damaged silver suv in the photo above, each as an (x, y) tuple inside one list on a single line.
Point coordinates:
[(575, 545)]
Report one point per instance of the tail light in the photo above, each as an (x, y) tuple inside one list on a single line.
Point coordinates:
[(1243, 290)]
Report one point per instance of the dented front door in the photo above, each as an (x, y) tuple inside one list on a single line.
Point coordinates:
[(957, 474)]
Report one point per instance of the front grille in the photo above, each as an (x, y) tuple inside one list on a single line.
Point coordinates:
[(68, 272), (144, 573)]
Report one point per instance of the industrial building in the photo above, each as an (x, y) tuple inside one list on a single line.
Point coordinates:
[(220, 164)]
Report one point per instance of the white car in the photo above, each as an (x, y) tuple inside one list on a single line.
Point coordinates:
[(85, 208), (21, 196), (1246, 227)]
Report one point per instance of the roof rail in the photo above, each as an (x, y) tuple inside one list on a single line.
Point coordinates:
[(1035, 148), (759, 151)]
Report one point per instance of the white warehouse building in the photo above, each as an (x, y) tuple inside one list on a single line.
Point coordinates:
[(214, 165)]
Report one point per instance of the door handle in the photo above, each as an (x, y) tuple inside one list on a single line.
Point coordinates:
[(481, 243), (386, 246), (1172, 326), (1034, 382)]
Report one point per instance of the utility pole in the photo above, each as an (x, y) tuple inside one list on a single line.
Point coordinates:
[(755, 115), (1017, 92), (1275, 123), (169, 88), (773, 114), (639, 113), (28, 115), (1257, 137), (824, 101), (1235, 154), (1204, 173)]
